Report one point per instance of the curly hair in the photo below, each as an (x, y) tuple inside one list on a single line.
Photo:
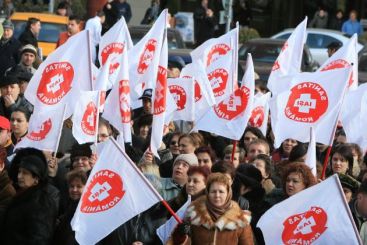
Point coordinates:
[(303, 170)]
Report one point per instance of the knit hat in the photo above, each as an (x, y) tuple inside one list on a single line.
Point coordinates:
[(147, 94), (35, 165), (8, 80), (28, 48), (7, 24), (190, 158)]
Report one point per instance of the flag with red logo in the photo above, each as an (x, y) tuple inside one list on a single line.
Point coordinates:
[(203, 93), (159, 100), (115, 192), (171, 108), (354, 116), (144, 58), (311, 101), (311, 217), (310, 160), (289, 60), (44, 130), (182, 90), (114, 43), (85, 117), (119, 99), (59, 79), (219, 75), (260, 112), (215, 48), (229, 118), (346, 56)]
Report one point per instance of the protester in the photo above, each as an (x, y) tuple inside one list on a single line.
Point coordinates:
[(257, 147), (73, 28), (282, 153), (342, 160), (238, 156), (5, 139), (7, 191), (11, 98), (333, 47), (81, 158), (19, 120), (224, 168), (175, 65), (187, 144), (32, 214), (358, 207), (350, 186), (251, 134), (31, 32), (204, 23), (337, 21), (215, 217), (28, 58), (352, 25), (167, 159), (320, 19), (206, 156), (296, 178), (104, 130), (9, 48)]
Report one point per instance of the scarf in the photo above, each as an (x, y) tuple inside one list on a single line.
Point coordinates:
[(216, 212)]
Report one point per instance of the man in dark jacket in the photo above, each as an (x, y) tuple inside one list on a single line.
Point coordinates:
[(205, 22), (31, 32), (9, 48), (358, 206)]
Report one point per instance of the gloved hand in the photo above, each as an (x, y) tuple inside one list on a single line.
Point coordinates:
[(181, 233)]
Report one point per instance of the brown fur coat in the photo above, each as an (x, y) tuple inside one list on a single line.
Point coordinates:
[(233, 227)]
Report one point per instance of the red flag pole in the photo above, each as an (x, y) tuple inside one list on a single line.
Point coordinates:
[(166, 205), (326, 160), (234, 142)]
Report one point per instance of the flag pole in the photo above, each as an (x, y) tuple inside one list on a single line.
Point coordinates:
[(234, 142), (166, 205), (97, 117), (60, 131), (347, 208), (90, 61)]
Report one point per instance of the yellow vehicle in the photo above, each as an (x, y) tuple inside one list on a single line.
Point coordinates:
[(51, 26)]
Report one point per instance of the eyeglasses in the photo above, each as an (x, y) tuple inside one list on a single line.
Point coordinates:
[(174, 142)]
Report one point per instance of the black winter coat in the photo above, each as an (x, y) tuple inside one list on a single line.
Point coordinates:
[(9, 54), (30, 218), (20, 102), (27, 37)]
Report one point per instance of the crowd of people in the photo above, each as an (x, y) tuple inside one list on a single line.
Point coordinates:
[(230, 186)]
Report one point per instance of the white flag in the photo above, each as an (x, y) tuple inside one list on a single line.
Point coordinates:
[(85, 117), (204, 96), (164, 232), (115, 192), (144, 57), (317, 215), (229, 118), (160, 100), (114, 43), (64, 73), (354, 116), (289, 60), (119, 98), (346, 56), (44, 130), (260, 112), (182, 90), (219, 75), (310, 160), (311, 101)]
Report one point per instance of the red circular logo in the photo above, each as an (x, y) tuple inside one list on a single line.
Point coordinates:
[(114, 51), (197, 90), (216, 51), (336, 64), (89, 119), (276, 66), (43, 131), (55, 82), (234, 105), (147, 56), (257, 117), (218, 81), (160, 91), (307, 102), (103, 192), (179, 95), (304, 228), (124, 97)]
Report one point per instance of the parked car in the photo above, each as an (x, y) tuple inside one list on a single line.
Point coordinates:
[(174, 37), (51, 26), (265, 51), (318, 40)]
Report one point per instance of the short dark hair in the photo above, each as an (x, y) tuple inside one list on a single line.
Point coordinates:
[(224, 168), (346, 152), (76, 18), (23, 110), (208, 150), (78, 150), (76, 174), (32, 21)]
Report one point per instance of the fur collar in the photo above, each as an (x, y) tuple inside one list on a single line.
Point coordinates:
[(234, 218)]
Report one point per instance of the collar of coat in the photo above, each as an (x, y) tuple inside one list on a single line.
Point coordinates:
[(234, 218)]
